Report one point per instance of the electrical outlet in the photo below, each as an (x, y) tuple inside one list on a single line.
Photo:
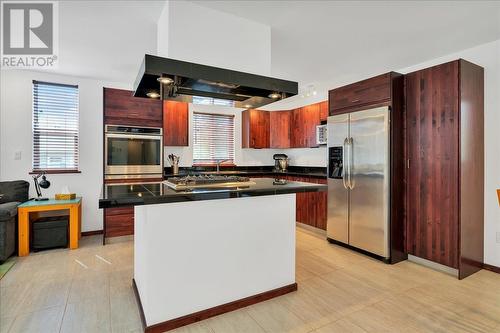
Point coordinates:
[(498, 237), (17, 155)]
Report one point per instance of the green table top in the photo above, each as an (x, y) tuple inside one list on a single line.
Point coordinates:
[(33, 203)]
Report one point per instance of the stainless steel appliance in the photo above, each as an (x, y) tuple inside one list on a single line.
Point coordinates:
[(321, 134), (133, 152), (281, 162), (358, 180)]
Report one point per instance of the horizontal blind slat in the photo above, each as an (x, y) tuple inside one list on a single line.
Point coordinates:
[(55, 126), (213, 138)]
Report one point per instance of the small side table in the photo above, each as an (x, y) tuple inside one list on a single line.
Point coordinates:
[(75, 220)]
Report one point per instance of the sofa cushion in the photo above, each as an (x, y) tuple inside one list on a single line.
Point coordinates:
[(14, 191), (7, 210)]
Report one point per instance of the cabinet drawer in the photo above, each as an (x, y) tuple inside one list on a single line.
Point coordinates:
[(126, 210), (370, 91), (119, 225)]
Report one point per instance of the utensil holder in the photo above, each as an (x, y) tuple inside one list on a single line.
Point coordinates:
[(175, 169)]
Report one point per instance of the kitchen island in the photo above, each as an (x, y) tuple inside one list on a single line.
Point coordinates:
[(202, 252)]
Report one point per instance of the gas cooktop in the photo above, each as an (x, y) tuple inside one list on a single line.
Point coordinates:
[(207, 181)]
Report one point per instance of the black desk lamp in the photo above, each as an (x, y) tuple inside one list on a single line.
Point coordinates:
[(44, 183)]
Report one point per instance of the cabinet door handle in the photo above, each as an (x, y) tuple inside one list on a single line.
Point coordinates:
[(355, 100)]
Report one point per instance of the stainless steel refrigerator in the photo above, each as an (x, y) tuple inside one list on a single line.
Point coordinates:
[(358, 180)]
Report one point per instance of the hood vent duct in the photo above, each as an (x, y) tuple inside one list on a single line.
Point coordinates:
[(177, 80)]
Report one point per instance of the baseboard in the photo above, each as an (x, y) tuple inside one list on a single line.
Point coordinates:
[(433, 265), (312, 230), (92, 232), (491, 268), (208, 313)]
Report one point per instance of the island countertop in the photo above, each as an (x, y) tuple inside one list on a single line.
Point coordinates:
[(115, 195)]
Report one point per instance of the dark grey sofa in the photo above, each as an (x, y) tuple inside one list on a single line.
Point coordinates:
[(11, 194)]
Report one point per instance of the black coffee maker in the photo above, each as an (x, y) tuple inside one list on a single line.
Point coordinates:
[(280, 162)]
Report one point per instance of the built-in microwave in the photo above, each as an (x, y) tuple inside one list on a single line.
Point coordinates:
[(321, 134), (131, 152)]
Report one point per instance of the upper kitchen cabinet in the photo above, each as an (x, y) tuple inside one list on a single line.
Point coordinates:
[(303, 126), (175, 123), (280, 129), (255, 129), (445, 176), (121, 108), (323, 111), (375, 91)]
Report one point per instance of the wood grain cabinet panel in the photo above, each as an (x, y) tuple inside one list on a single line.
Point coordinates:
[(323, 111), (122, 108), (118, 221), (279, 129), (255, 129), (175, 123), (303, 126), (311, 207), (367, 92), (445, 183)]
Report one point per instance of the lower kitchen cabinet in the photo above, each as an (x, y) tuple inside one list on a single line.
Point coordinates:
[(311, 208), (118, 221)]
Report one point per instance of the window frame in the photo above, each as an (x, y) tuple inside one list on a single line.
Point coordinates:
[(33, 148), (233, 117)]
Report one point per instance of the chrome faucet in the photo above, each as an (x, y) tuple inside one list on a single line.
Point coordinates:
[(219, 162)]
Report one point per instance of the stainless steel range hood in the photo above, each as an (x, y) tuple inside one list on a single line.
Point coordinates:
[(182, 80)]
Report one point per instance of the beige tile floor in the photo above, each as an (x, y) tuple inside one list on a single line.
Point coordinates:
[(89, 290)]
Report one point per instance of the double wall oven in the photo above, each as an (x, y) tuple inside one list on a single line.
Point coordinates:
[(133, 152)]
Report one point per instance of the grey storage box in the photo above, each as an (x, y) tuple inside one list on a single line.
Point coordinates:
[(50, 232)]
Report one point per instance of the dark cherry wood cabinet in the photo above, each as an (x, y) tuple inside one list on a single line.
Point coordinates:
[(255, 129), (303, 126), (445, 187), (311, 207), (283, 129), (122, 108), (279, 129), (356, 96), (119, 221), (323, 111), (175, 123)]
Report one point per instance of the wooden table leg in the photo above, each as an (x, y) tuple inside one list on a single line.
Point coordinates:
[(79, 221), (73, 227), (23, 231)]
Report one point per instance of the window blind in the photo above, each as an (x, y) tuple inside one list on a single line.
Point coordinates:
[(213, 138), (212, 101), (55, 127)]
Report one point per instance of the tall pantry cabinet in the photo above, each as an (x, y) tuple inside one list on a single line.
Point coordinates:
[(445, 174)]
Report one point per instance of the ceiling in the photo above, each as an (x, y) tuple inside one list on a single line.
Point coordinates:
[(313, 42), (316, 40), (106, 39)]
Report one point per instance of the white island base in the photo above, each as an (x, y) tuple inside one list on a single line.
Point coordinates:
[(197, 259)]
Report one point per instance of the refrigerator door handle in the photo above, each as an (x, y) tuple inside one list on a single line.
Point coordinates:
[(345, 169), (351, 180)]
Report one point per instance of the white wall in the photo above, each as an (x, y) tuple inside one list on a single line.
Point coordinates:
[(16, 135), (210, 37), (487, 56), (246, 157)]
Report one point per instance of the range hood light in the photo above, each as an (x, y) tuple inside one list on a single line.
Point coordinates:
[(274, 95), (153, 94), (165, 80), (248, 106)]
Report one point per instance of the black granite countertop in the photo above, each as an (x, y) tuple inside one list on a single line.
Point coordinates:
[(300, 171), (115, 195)]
